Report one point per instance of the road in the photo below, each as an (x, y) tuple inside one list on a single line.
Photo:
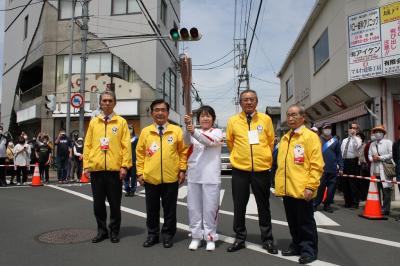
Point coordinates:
[(28, 212)]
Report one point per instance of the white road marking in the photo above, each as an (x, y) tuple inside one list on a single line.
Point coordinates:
[(226, 239), (221, 196), (322, 219), (182, 192), (252, 205)]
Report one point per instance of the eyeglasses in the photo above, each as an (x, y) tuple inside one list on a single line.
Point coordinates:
[(293, 115), (162, 110)]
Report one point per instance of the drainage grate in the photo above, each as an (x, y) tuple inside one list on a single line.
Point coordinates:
[(67, 236)]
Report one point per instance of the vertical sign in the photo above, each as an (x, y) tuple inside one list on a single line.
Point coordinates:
[(390, 28)]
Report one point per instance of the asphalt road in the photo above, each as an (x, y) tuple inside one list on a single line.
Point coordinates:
[(28, 212)]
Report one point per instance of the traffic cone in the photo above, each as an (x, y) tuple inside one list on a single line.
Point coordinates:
[(36, 180), (324, 198), (84, 178), (372, 209)]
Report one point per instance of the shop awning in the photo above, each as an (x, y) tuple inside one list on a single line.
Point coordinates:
[(347, 114)]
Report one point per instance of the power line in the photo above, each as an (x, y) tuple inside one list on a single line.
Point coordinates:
[(248, 18), (210, 68), (267, 81), (255, 27), (219, 59), (118, 20), (19, 14)]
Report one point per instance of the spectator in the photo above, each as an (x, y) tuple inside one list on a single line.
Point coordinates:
[(72, 167), (396, 156), (333, 160), (44, 155), (21, 160), (161, 166), (204, 182), (3, 156), (62, 156), (300, 165), (350, 152), (130, 179), (107, 158), (364, 168), (33, 147), (10, 162), (78, 156), (381, 151), (250, 138)]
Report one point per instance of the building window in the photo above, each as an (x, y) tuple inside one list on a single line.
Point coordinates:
[(289, 88), (321, 51), (169, 88), (163, 12), (65, 9), (26, 27), (123, 7)]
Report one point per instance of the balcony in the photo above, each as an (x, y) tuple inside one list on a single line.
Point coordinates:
[(31, 93)]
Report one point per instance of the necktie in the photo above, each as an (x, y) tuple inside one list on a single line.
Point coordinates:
[(248, 117), (346, 148), (160, 130), (292, 134), (106, 118)]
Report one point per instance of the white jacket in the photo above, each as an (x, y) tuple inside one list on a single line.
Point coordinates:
[(385, 154), (22, 153), (204, 156)]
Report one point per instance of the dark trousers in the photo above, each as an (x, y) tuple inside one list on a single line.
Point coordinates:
[(168, 192), (107, 185), (3, 172), (300, 217), (44, 171), (24, 171), (328, 180), (386, 198), (130, 181), (260, 183), (351, 191), (62, 168), (78, 166)]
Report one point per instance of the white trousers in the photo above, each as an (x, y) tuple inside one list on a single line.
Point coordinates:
[(203, 206)]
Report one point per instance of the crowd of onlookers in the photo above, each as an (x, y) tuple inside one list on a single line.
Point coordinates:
[(359, 156)]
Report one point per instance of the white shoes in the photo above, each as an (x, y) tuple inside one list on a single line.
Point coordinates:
[(195, 244), (210, 245)]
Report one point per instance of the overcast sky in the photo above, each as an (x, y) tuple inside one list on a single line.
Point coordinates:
[(278, 26)]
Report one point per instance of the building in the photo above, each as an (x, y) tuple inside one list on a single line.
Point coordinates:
[(345, 64), (275, 113), (36, 61)]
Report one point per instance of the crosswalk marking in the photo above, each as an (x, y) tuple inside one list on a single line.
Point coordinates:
[(252, 205), (182, 192)]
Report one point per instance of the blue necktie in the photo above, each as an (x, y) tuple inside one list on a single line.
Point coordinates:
[(160, 130)]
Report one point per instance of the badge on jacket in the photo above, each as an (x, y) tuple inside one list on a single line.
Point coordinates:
[(104, 144), (150, 151), (170, 139), (298, 154), (114, 130)]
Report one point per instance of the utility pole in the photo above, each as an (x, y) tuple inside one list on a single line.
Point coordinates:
[(243, 71), (68, 122), (186, 75), (84, 28)]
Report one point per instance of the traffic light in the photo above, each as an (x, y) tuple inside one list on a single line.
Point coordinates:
[(184, 34), (51, 102)]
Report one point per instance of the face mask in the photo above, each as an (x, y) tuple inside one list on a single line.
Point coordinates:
[(327, 131), (131, 131), (45, 142), (373, 137), (378, 135), (25, 137)]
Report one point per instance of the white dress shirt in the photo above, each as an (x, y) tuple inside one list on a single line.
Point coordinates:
[(353, 149)]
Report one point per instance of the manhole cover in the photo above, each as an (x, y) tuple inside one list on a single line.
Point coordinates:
[(67, 236)]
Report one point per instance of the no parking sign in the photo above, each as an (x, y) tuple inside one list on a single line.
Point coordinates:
[(76, 100)]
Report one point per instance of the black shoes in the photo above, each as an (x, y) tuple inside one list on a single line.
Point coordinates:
[(290, 252), (99, 238), (150, 241), (114, 238), (306, 259), (270, 247), (328, 209), (129, 194), (168, 243), (237, 245)]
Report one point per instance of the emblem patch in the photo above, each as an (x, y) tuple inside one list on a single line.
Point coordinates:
[(114, 130), (260, 128), (170, 139)]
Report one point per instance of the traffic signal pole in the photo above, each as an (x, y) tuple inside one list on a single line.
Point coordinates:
[(85, 20), (68, 120)]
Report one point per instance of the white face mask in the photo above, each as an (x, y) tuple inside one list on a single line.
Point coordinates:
[(373, 137), (327, 131), (379, 135)]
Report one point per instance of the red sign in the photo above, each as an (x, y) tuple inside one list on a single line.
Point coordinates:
[(76, 100)]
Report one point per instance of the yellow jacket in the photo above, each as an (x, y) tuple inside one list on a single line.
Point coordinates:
[(160, 161), (246, 157), (300, 164), (119, 153)]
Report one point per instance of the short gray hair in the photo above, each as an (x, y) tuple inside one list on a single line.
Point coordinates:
[(110, 93), (302, 110), (246, 91)]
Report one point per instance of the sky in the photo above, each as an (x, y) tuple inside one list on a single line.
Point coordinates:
[(279, 24)]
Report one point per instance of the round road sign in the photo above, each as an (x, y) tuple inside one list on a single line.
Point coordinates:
[(76, 100)]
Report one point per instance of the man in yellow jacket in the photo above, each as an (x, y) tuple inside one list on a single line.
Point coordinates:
[(250, 138), (300, 166), (106, 156), (160, 166)]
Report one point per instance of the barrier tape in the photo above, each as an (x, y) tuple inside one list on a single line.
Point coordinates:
[(13, 165), (369, 178)]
